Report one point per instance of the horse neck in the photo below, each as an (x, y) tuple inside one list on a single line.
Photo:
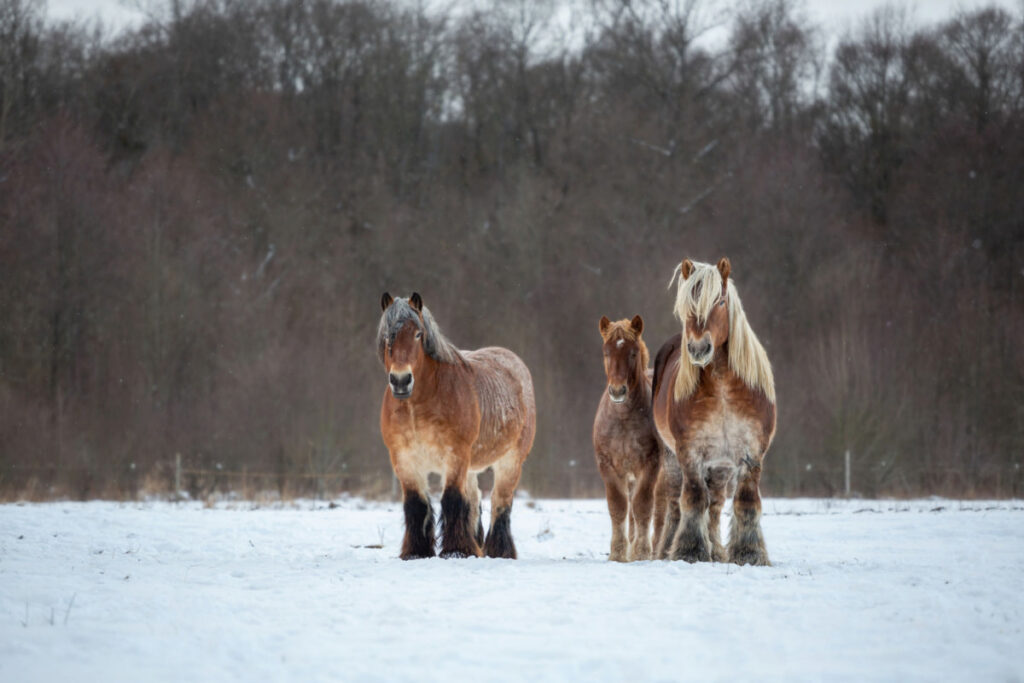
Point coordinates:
[(719, 365), (431, 376)]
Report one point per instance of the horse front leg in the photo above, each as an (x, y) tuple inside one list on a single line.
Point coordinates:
[(618, 509), (457, 538), (746, 540), (418, 541), (642, 507), (693, 543)]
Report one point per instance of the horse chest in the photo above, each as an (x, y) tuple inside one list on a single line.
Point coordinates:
[(717, 430), (625, 443), (419, 437)]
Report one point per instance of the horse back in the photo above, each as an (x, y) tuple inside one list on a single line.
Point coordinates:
[(504, 391)]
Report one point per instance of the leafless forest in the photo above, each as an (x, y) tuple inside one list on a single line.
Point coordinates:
[(198, 217)]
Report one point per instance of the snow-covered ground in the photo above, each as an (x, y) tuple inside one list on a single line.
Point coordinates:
[(859, 590)]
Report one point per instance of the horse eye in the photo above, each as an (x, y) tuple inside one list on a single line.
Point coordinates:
[(722, 302), (419, 335)]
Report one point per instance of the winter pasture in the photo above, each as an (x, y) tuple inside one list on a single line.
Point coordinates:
[(860, 590)]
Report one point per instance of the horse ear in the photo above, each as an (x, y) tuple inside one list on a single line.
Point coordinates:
[(385, 301), (416, 301), (637, 323), (605, 322), (687, 268), (724, 267)]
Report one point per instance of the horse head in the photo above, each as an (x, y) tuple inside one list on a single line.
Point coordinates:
[(401, 342), (625, 355), (706, 327)]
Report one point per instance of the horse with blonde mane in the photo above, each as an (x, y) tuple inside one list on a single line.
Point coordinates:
[(638, 477), (455, 413), (714, 407)]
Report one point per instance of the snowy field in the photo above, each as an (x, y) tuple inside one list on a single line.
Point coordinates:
[(859, 590)]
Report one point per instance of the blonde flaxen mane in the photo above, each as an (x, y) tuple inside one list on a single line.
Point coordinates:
[(696, 295)]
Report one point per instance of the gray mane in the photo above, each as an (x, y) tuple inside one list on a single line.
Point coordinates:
[(435, 344)]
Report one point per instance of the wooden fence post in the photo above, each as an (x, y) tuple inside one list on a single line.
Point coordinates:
[(846, 473), (177, 475)]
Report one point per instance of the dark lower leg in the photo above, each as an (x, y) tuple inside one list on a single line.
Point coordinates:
[(456, 532), (499, 539), (419, 526)]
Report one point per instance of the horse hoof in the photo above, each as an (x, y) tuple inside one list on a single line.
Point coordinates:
[(456, 554), (693, 554), (753, 557), (415, 556)]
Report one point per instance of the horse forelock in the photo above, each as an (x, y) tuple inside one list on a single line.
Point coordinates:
[(697, 295), (435, 344)]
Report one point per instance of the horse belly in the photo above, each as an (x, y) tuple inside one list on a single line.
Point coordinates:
[(505, 395)]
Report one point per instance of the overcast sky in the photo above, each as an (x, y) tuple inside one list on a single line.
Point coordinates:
[(835, 16)]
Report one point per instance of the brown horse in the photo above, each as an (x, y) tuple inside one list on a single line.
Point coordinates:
[(455, 413), (627, 448), (714, 407)]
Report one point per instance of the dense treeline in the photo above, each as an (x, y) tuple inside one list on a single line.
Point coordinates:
[(197, 218)]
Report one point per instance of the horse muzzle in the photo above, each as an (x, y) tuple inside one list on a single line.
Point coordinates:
[(700, 351), (401, 384), (617, 394)]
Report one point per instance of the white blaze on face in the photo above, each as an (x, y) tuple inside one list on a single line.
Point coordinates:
[(619, 343)]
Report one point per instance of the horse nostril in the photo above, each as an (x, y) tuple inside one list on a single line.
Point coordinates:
[(400, 381)]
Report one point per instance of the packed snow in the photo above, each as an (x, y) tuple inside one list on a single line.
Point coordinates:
[(879, 590)]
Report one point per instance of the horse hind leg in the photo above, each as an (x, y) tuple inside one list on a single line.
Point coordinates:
[(718, 476), (476, 521), (633, 523), (692, 542), (746, 540), (499, 541), (660, 511), (670, 487), (456, 530)]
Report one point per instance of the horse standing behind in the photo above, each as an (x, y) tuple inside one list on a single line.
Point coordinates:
[(637, 475), (456, 413), (714, 407)]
